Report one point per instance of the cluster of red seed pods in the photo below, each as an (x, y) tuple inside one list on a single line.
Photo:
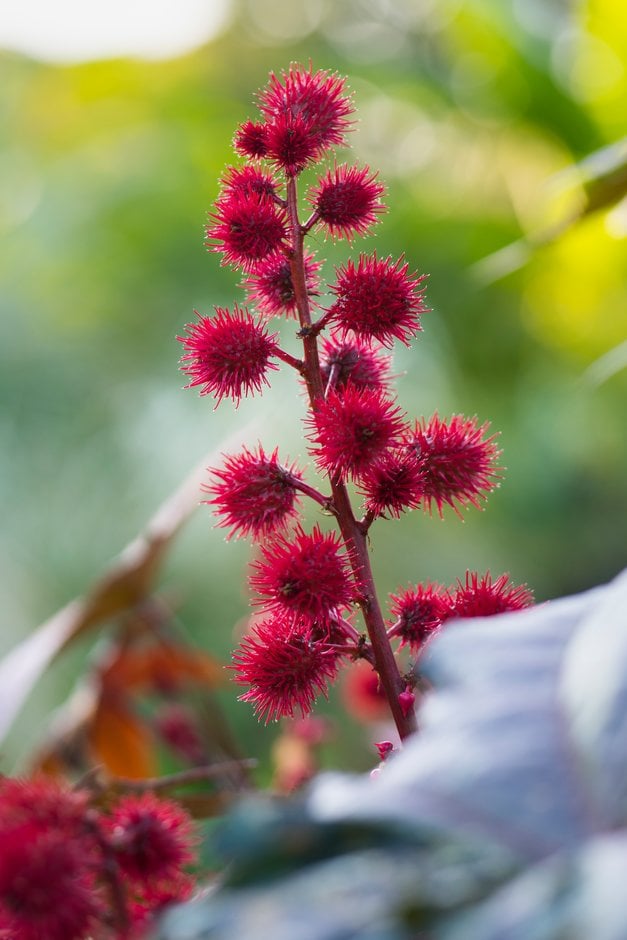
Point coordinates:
[(307, 584)]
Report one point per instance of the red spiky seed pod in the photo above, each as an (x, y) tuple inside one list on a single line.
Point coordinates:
[(315, 99), (290, 144), (285, 668), (480, 596), (418, 613), (392, 485), (305, 574), (347, 200), (44, 801), (350, 360), (47, 884), (49, 861), (227, 355), (245, 228), (271, 289), (248, 181), (153, 838), (378, 299), (352, 429), (250, 140), (458, 461), (154, 899), (254, 493)]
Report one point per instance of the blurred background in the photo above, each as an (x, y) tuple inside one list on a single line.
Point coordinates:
[(482, 116)]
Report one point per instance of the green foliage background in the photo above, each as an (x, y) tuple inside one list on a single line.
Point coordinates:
[(475, 111)]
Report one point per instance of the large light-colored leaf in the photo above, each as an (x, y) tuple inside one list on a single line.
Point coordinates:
[(578, 897), (496, 757), (505, 817)]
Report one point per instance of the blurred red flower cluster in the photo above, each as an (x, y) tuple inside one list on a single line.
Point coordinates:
[(70, 868)]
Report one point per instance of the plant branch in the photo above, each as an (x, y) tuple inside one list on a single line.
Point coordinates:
[(182, 778), (320, 324), (354, 538), (325, 501), (348, 628), (366, 521), (311, 221), (111, 875), (292, 361), (395, 629)]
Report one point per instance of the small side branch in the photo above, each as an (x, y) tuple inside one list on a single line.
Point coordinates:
[(311, 221), (325, 501), (183, 777), (395, 629), (290, 360), (111, 875), (366, 521), (313, 329)]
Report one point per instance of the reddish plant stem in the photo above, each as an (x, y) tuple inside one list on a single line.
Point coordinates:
[(311, 372), (320, 324), (292, 361), (325, 501), (111, 875), (354, 537), (366, 521), (311, 221), (351, 631), (395, 629)]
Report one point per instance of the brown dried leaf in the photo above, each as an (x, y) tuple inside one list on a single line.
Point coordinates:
[(160, 665), (121, 741)]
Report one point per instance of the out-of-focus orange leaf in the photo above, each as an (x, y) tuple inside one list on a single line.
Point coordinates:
[(49, 764), (84, 732), (160, 665), (176, 663), (126, 668), (120, 741)]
